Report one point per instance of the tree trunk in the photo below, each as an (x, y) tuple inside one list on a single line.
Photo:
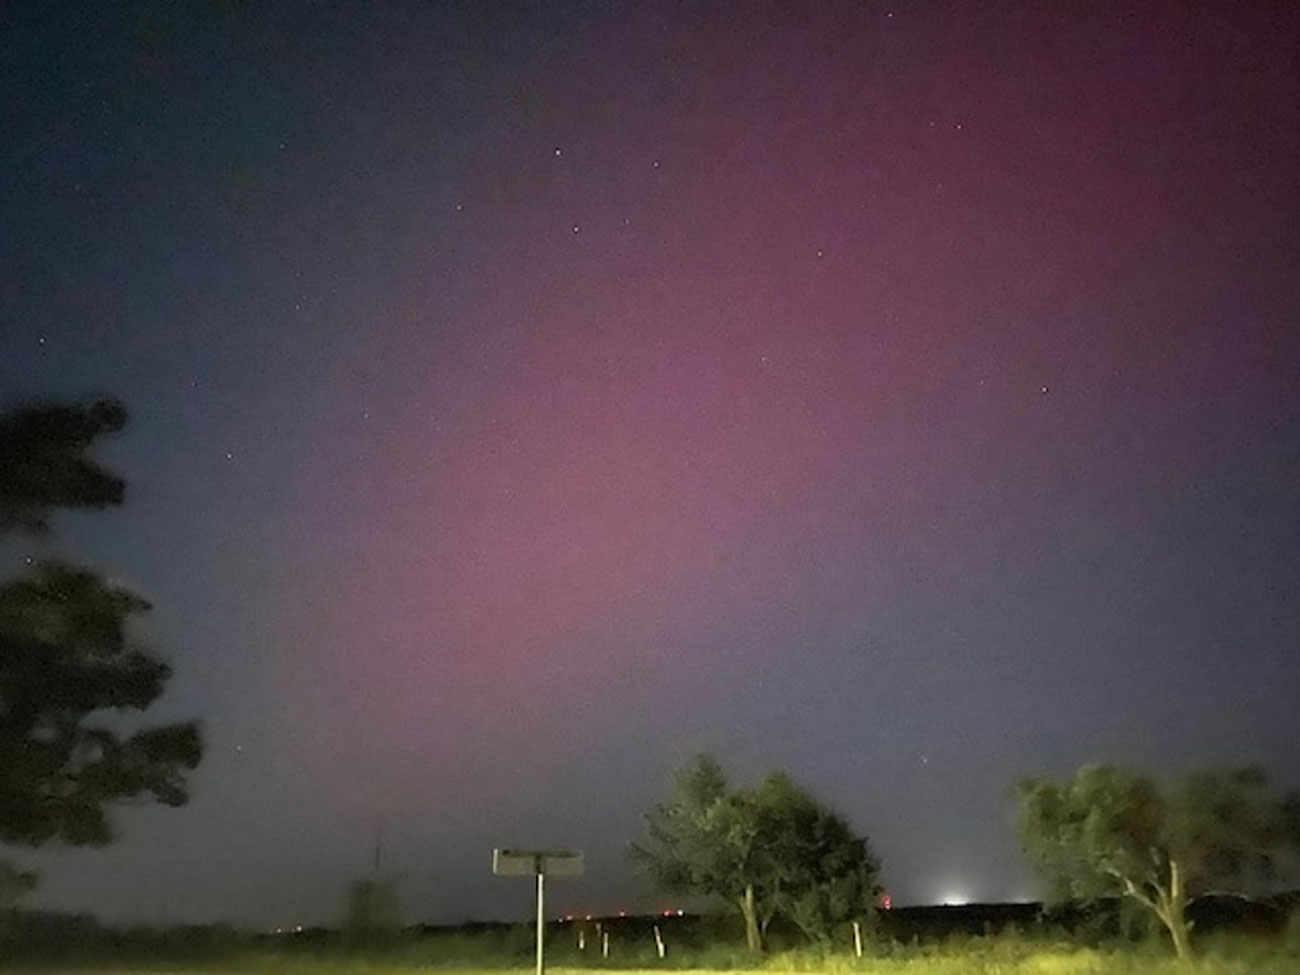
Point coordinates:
[(1172, 908), (749, 908), (1175, 921), (1181, 933)]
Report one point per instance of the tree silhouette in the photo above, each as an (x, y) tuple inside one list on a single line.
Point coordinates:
[(70, 669), (43, 463)]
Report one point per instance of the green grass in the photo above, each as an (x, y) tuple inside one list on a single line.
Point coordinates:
[(497, 952)]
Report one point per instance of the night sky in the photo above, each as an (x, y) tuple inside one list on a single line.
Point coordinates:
[(526, 397)]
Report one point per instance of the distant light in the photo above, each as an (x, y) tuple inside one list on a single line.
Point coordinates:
[(298, 928), (886, 902), (622, 913), (954, 898), (588, 917), (679, 912), (668, 913)]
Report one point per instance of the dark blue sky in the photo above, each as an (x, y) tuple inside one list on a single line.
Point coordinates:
[(902, 395)]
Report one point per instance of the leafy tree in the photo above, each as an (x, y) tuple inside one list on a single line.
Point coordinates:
[(769, 849), (699, 843), (69, 666), (819, 874), (1111, 831), (65, 658)]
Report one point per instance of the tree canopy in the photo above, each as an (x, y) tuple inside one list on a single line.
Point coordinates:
[(43, 462), (767, 850), (817, 872), (65, 656), (70, 668), (1112, 831)]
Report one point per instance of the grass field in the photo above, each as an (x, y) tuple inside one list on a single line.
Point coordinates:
[(978, 941), (989, 955)]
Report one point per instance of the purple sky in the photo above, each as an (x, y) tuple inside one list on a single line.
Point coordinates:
[(902, 395)]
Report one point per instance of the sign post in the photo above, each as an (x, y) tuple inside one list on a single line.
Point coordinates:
[(538, 863)]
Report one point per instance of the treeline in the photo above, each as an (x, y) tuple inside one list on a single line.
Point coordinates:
[(774, 853)]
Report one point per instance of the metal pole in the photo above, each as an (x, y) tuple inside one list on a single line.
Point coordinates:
[(541, 919)]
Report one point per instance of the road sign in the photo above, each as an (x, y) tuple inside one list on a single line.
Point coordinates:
[(537, 863), (529, 863)]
